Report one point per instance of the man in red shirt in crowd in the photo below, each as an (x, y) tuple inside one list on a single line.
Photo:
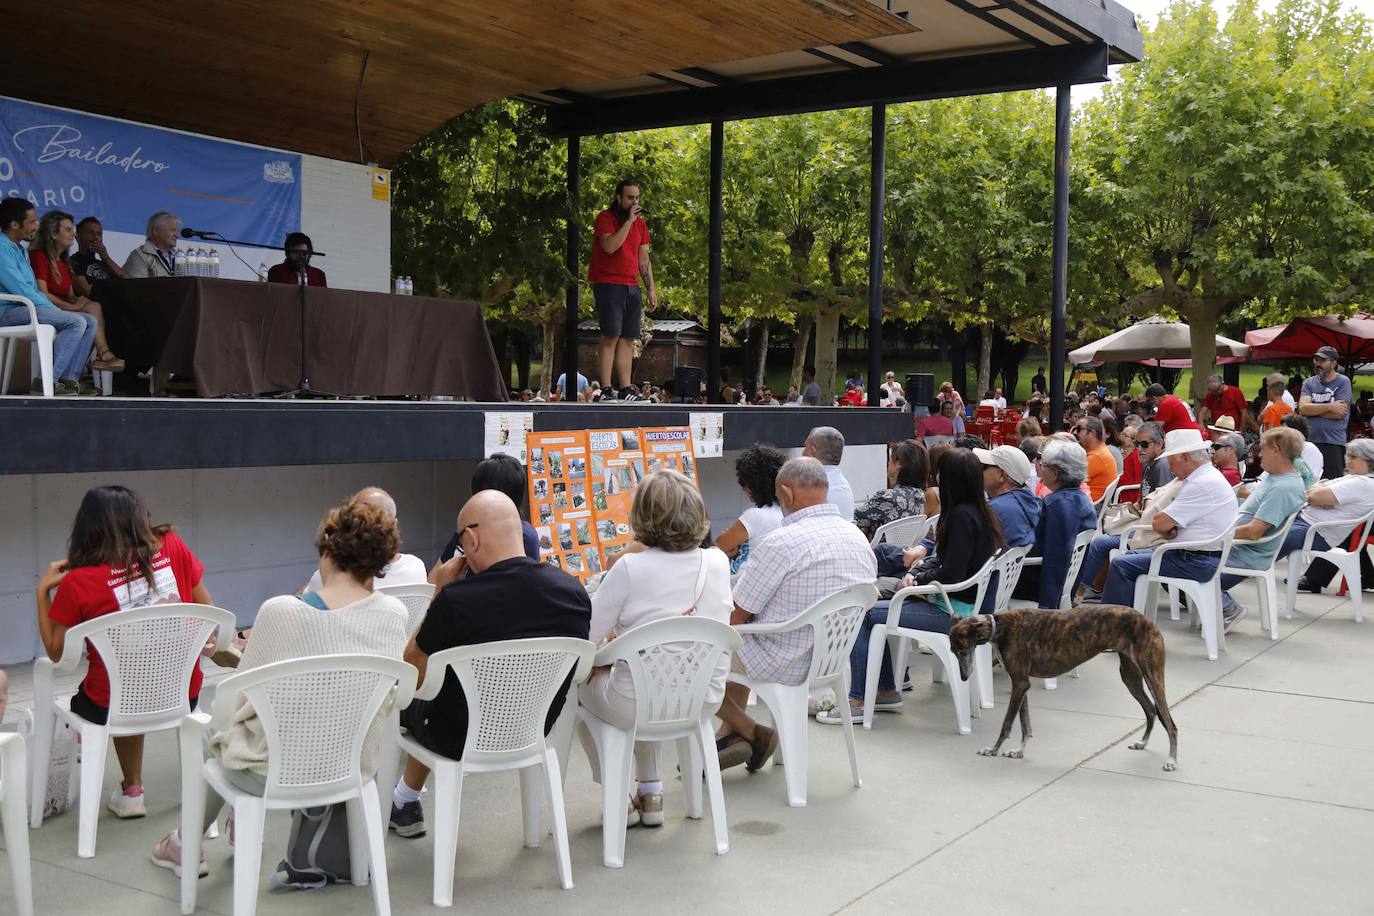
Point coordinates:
[(1170, 412), (620, 255), (1223, 400)]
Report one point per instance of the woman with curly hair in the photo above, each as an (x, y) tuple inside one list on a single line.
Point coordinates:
[(355, 541), (907, 476), (756, 471)]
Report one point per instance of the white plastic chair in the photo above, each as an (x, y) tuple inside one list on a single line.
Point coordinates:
[(416, 597), (1204, 598), (42, 336), (13, 792), (316, 713), (1007, 568), (1080, 550), (938, 643), (149, 654), (1268, 584), (671, 664), (509, 687), (904, 531), (1345, 560), (834, 622)]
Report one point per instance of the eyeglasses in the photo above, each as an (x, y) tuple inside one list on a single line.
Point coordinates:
[(459, 546)]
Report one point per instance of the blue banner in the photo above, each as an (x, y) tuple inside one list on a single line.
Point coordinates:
[(123, 173)]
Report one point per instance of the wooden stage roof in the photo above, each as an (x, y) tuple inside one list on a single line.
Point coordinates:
[(289, 75)]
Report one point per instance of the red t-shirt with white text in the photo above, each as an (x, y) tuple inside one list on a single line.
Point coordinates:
[(622, 266), (1172, 415), (89, 592)]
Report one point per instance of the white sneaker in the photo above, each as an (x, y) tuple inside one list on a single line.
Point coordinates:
[(127, 802)]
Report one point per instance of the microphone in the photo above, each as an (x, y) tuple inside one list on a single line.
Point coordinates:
[(189, 233)]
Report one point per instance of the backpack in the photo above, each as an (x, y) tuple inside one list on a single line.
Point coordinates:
[(316, 849)]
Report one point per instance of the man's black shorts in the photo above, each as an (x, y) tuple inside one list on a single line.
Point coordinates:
[(619, 308)]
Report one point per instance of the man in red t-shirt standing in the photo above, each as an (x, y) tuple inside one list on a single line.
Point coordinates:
[(1223, 400), (620, 255), (1170, 412)]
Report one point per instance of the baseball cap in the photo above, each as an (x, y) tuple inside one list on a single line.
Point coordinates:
[(1326, 353), (1009, 458)]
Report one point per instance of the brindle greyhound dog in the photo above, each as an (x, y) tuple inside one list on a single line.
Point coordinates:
[(1039, 643)]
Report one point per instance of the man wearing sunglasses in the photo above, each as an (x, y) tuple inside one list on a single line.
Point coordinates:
[(1091, 434), (1325, 402)]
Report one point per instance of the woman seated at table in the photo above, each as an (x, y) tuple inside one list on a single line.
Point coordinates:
[(344, 615), (756, 472), (48, 258), (1066, 512), (969, 533), (905, 495), (1342, 499), (664, 575)]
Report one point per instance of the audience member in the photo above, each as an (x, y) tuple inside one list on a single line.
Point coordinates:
[(815, 553), (1276, 409), (92, 264), (1311, 455), (1005, 472), (504, 474), (1226, 453), (891, 390), (401, 569), (794, 397), (756, 472), (968, 535), (355, 541), (75, 330), (157, 256), (670, 576), (48, 258), (947, 393), (116, 560), (1030, 447), (561, 385), (1169, 412), (1222, 400), (509, 596), (1064, 514), (1090, 434), (1326, 400), (826, 445), (1111, 437), (907, 473), (1342, 499), (299, 250), (811, 392), (1028, 427), (940, 421)]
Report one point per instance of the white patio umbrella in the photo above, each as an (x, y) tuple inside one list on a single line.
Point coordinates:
[(1153, 339)]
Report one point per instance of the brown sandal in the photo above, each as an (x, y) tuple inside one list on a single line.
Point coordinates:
[(106, 361)]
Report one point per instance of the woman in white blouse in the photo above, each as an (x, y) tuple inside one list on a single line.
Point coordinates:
[(756, 471), (664, 574), (1342, 499)]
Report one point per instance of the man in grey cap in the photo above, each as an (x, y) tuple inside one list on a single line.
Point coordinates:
[(1005, 472), (1325, 402)]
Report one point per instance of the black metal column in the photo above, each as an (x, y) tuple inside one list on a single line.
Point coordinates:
[(574, 265), (1059, 270), (877, 184), (714, 245)]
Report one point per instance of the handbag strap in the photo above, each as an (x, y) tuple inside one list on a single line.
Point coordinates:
[(701, 583)]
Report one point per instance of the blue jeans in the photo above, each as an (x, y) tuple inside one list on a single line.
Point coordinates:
[(1098, 551), (916, 615), (1130, 566), (1230, 582), (75, 334)]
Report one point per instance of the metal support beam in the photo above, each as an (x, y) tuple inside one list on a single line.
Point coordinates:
[(714, 244), (877, 183), (1059, 269), (574, 265)]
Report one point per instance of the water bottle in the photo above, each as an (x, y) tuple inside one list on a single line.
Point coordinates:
[(262, 271), (179, 264), (202, 262), (410, 286), (214, 263), (398, 286)]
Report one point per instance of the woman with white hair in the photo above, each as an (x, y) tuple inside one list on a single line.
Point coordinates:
[(1066, 511), (1342, 499)]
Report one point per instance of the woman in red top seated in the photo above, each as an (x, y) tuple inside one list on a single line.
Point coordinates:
[(48, 257), (116, 560)]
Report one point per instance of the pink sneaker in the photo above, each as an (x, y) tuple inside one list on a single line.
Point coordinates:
[(167, 854)]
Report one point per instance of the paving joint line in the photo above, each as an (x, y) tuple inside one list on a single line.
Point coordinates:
[(1250, 792)]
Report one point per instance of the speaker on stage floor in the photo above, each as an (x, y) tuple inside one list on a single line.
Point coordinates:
[(920, 388), (686, 384)]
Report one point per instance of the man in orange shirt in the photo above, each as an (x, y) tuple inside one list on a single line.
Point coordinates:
[(1102, 469), (1272, 416)]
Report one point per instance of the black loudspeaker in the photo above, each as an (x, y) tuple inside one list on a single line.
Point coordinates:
[(686, 384), (920, 388)]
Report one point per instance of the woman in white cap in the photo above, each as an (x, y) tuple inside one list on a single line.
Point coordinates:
[(1345, 499)]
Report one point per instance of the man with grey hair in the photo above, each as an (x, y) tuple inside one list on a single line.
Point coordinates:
[(156, 257), (815, 553), (1227, 450), (1204, 508), (404, 568), (1222, 400), (826, 445)]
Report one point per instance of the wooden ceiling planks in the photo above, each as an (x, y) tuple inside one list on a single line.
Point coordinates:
[(284, 75)]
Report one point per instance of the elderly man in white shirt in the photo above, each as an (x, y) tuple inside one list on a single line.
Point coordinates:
[(826, 445), (1204, 508)]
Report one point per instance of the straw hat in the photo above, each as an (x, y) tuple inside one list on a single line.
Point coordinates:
[(1225, 424)]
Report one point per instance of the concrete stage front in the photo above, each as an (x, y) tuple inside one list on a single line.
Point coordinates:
[(246, 481)]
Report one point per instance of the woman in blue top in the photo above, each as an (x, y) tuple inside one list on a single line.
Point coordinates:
[(1062, 467)]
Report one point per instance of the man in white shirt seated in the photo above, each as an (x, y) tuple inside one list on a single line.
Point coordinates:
[(815, 553), (998, 399), (826, 445), (1204, 508), (891, 390), (404, 568)]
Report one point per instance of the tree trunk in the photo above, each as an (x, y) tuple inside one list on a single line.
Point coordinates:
[(985, 332), (759, 371), (805, 323), (827, 351), (522, 357), (958, 364), (1201, 315), (546, 375)]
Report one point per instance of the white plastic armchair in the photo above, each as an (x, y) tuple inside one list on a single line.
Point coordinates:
[(316, 714), (1112, 497), (1079, 551), (1268, 585), (1204, 597), (416, 597), (1007, 570), (671, 664), (509, 687), (13, 791), (42, 336), (149, 654), (1344, 559), (904, 531), (834, 622), (938, 643)]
